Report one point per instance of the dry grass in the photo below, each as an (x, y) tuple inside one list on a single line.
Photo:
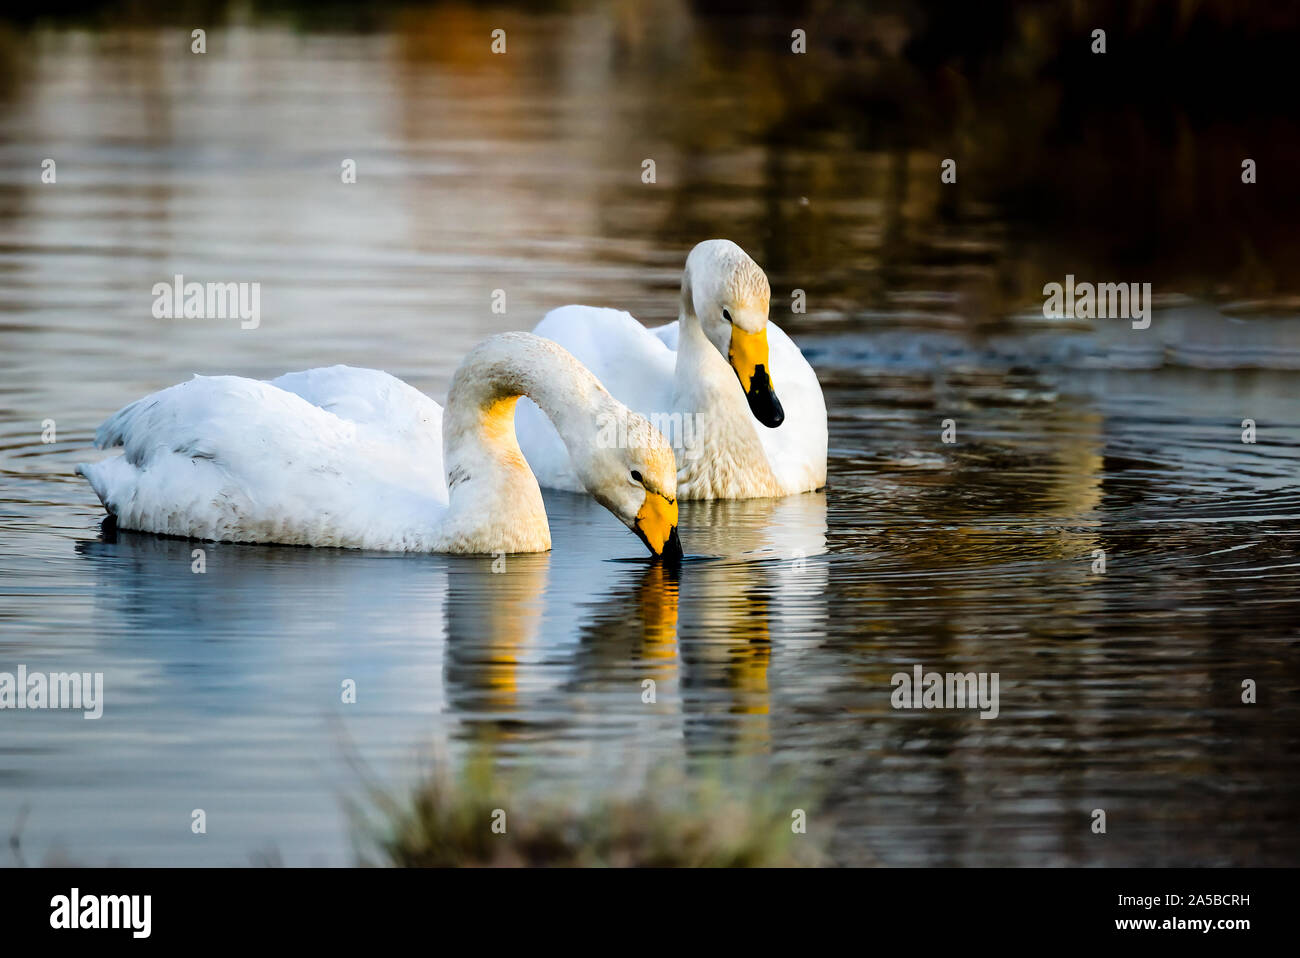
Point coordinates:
[(719, 819)]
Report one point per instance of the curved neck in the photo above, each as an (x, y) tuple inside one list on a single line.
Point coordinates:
[(493, 494), (726, 433), (703, 380), (699, 363)]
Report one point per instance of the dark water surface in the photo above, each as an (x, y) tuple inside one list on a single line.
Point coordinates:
[(1119, 690)]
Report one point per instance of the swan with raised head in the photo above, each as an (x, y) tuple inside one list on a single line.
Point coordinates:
[(355, 458), (709, 381)]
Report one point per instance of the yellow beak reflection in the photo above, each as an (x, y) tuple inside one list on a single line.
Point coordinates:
[(748, 357), (656, 524)]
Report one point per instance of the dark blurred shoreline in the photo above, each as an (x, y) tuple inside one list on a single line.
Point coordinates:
[(1124, 166)]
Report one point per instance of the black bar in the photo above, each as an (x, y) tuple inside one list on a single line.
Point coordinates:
[(619, 907)]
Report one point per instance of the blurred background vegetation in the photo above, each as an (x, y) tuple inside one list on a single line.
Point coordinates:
[(1125, 165)]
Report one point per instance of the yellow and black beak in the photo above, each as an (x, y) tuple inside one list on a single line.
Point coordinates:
[(656, 525), (748, 357)]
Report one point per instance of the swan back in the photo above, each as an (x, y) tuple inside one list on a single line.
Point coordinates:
[(233, 459)]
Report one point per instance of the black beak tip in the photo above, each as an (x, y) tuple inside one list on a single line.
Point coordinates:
[(762, 400), (673, 548), (776, 416)]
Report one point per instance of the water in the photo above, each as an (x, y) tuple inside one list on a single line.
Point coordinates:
[(777, 640)]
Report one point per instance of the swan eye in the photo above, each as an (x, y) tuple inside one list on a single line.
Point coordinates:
[(636, 476), (726, 314)]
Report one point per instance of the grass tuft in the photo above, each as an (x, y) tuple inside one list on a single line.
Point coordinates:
[(717, 819)]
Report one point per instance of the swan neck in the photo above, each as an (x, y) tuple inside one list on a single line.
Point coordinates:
[(686, 309), (488, 479), (481, 401)]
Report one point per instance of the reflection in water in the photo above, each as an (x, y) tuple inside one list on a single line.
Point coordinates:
[(519, 657), (776, 639), (592, 627), (493, 631)]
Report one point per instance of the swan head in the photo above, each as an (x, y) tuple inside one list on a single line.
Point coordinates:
[(729, 294), (631, 471)]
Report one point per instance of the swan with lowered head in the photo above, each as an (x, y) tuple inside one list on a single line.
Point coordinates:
[(355, 458), (709, 381)]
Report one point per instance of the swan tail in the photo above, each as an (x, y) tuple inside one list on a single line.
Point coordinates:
[(165, 476), (110, 479)]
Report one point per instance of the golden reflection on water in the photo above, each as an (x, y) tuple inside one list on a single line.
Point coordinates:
[(500, 625)]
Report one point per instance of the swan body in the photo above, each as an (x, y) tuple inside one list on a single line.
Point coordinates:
[(732, 392), (355, 458)]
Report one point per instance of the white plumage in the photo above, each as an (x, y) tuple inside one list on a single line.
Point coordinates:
[(687, 388), (227, 458), (356, 458)]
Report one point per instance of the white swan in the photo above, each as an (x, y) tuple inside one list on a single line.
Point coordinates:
[(710, 382), (355, 458)]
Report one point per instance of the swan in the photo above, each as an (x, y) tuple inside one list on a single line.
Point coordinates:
[(355, 458), (710, 382)]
